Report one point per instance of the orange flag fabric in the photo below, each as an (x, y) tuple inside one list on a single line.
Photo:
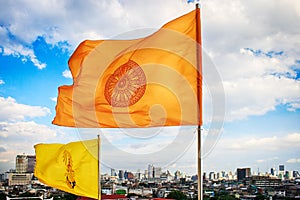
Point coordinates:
[(147, 82), (69, 167)]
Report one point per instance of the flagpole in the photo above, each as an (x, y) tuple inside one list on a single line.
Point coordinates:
[(99, 171), (199, 97)]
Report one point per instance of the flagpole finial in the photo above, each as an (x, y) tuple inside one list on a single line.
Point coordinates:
[(194, 1)]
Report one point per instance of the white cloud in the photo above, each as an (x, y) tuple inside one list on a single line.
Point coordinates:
[(28, 130), (254, 151), (248, 24), (20, 137), (97, 20), (2, 82), (292, 138), (293, 160), (18, 49), (256, 84), (67, 74), (23, 52), (10, 110), (293, 106), (162, 148), (254, 54), (53, 99), (273, 143), (258, 95)]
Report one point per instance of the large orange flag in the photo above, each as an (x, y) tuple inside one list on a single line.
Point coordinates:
[(147, 82)]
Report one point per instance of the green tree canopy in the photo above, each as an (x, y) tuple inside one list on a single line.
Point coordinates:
[(175, 194)]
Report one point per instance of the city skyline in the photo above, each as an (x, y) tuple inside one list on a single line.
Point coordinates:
[(252, 46), (154, 182), (26, 164)]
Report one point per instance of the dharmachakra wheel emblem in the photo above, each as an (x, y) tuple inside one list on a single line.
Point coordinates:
[(126, 85)]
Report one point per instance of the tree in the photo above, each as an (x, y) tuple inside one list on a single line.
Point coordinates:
[(66, 196), (2, 196), (175, 194)]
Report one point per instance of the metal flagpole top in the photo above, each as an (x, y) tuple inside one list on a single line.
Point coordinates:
[(197, 2)]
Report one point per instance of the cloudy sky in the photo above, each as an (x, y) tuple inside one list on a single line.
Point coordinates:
[(251, 49)]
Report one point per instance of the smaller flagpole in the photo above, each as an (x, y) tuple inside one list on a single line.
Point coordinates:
[(99, 167)]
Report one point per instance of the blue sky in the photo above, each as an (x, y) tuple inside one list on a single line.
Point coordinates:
[(253, 46)]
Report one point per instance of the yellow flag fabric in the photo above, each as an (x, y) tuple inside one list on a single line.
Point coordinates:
[(71, 167), (146, 82)]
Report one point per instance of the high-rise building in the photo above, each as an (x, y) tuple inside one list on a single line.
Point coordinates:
[(177, 175), (221, 175), (126, 175), (138, 175), (230, 175), (204, 176), (243, 173), (25, 163), (2, 177), (281, 168), (150, 171), (281, 173), (113, 172), (272, 171), (296, 174), (31, 163), (21, 163), (121, 174), (288, 175), (146, 174), (157, 172), (212, 176)]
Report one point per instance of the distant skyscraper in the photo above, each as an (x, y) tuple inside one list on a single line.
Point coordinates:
[(113, 172), (25, 163), (150, 171), (121, 174), (21, 164), (157, 172), (177, 175), (281, 168), (243, 173), (204, 176), (296, 174), (212, 176), (272, 171), (126, 175), (31, 163), (288, 174), (221, 175)]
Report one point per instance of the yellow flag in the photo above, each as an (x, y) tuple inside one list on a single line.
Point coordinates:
[(147, 82), (71, 167)]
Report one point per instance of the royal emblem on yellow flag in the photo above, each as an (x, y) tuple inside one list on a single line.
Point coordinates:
[(146, 82), (69, 167), (70, 174)]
